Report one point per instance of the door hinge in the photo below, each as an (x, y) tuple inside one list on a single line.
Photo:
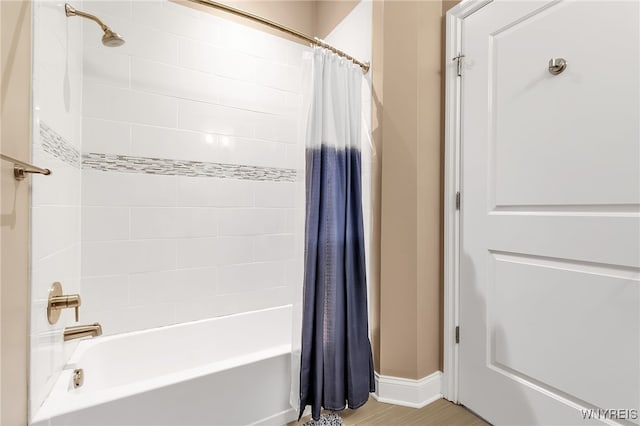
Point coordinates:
[(457, 334), (458, 60), (458, 200)]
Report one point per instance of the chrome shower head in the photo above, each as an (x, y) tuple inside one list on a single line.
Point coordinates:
[(109, 39)]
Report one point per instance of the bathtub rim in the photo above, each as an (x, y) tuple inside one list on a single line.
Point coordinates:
[(85, 345)]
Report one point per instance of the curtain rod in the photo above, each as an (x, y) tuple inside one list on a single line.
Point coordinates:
[(313, 40)]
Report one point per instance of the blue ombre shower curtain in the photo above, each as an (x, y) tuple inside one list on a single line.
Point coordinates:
[(336, 368)]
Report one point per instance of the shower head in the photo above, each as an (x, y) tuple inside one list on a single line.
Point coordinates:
[(109, 39), (112, 39)]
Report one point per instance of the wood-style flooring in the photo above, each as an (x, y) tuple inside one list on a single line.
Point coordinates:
[(438, 413)]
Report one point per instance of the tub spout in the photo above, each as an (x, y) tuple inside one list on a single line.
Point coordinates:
[(93, 330)]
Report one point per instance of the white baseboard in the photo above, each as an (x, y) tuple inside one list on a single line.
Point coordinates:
[(392, 390), (408, 392)]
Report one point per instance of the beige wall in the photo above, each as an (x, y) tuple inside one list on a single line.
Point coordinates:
[(313, 17), (14, 214), (329, 13), (398, 281), (429, 184), (298, 15), (408, 113)]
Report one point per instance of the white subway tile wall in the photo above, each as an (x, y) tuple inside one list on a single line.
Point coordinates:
[(188, 86), (56, 206)]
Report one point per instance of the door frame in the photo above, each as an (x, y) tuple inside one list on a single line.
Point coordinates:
[(452, 168)]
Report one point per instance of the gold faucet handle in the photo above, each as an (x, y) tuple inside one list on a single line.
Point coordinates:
[(59, 301)]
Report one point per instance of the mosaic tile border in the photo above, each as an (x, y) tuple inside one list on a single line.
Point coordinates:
[(56, 145), (166, 166)]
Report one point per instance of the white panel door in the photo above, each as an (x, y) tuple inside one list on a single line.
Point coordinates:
[(550, 216)]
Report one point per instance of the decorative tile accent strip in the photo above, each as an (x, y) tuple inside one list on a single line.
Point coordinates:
[(166, 166), (57, 146)]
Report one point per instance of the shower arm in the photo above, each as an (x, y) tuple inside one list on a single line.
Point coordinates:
[(71, 11)]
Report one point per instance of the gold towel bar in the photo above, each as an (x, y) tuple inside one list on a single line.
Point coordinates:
[(21, 168)]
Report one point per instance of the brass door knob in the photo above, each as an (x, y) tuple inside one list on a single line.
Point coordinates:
[(58, 301)]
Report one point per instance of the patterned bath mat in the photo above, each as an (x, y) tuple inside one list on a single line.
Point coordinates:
[(331, 419)]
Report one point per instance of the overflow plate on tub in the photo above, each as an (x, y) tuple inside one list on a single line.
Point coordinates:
[(78, 378)]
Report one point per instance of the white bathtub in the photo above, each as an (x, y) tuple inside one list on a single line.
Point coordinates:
[(223, 371)]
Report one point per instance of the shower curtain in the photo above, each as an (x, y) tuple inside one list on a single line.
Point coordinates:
[(336, 368)]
